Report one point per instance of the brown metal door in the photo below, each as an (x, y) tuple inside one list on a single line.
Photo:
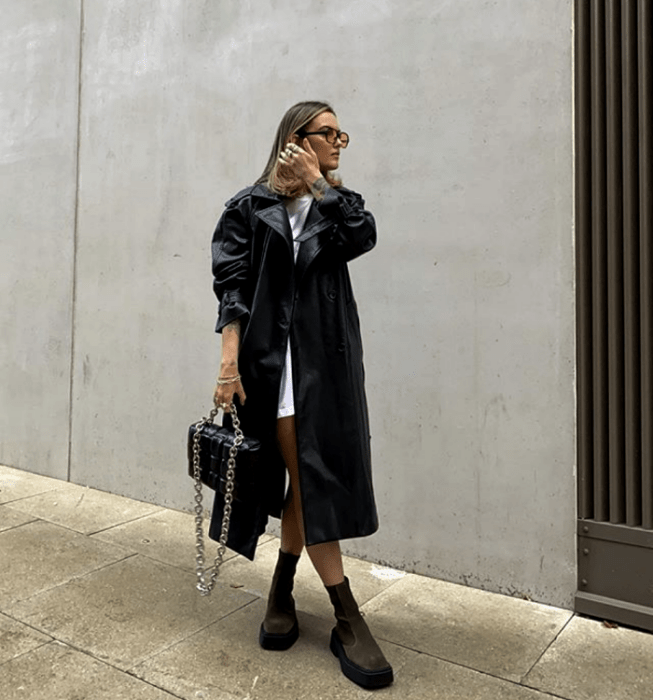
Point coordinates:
[(614, 276)]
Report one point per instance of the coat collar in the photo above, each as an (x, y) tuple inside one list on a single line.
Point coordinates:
[(276, 217)]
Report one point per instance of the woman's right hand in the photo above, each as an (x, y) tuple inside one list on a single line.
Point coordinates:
[(224, 394)]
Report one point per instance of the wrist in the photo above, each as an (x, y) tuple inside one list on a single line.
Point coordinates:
[(319, 187), (228, 367), (312, 177)]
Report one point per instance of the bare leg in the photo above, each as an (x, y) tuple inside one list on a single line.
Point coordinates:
[(326, 557), (292, 529)]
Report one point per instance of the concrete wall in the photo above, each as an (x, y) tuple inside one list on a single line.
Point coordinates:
[(39, 55), (460, 118)]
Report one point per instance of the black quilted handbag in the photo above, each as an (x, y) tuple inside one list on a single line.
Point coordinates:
[(228, 462), (215, 442)]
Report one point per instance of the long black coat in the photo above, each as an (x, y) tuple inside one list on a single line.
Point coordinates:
[(310, 301)]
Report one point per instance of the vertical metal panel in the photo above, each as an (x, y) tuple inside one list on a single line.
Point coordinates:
[(614, 223), (599, 272), (584, 259), (645, 49), (632, 413), (614, 262)]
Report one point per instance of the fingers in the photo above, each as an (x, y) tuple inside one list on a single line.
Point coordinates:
[(224, 395), (307, 146), (289, 154)]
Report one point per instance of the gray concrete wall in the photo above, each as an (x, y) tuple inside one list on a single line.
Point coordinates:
[(39, 55), (460, 118)]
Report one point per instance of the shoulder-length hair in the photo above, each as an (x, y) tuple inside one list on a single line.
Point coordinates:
[(276, 176)]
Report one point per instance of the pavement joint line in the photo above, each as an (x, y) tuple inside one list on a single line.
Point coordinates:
[(548, 646), (13, 527), (63, 527), (153, 685), (104, 662), (124, 522), (64, 583), (31, 495), (129, 671), (28, 624), (28, 651), (174, 643)]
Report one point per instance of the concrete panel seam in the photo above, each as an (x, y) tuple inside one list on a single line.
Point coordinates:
[(75, 234)]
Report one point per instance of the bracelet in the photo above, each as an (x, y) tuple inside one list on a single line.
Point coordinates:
[(228, 380)]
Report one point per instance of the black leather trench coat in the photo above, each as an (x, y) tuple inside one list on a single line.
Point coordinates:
[(311, 302)]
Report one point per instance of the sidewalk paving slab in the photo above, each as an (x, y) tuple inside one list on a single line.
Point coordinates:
[(116, 615), (83, 509), (17, 638), (40, 555), (16, 484), (367, 580), (226, 657), (9, 518), (433, 679), (57, 672), (590, 661), (127, 611), (489, 632), (167, 536)]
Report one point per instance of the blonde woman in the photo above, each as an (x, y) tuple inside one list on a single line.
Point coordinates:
[(293, 358)]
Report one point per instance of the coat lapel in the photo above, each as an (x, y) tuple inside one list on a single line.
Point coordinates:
[(276, 217), (312, 239)]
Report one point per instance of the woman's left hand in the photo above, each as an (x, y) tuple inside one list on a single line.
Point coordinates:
[(301, 161)]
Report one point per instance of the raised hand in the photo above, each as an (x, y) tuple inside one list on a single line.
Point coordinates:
[(301, 161)]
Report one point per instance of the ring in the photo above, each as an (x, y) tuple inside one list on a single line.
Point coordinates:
[(224, 405)]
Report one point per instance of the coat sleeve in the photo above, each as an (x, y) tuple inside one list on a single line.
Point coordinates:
[(230, 250), (355, 232)]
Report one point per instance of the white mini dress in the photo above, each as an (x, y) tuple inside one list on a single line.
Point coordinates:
[(297, 212)]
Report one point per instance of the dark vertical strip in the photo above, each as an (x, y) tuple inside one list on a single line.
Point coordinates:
[(73, 319), (632, 413), (645, 50), (614, 263), (583, 257), (599, 276)]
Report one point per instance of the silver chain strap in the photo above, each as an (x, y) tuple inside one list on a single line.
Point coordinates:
[(203, 586)]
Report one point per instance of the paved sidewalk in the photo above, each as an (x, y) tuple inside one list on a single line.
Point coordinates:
[(97, 602)]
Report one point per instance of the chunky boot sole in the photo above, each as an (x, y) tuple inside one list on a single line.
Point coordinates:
[(361, 676), (278, 642)]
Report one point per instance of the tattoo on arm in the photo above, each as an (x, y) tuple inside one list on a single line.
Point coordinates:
[(319, 188), (234, 326)]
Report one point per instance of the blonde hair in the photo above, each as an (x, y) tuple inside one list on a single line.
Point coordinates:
[(276, 176)]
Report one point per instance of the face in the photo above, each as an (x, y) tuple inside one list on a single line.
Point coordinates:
[(328, 154)]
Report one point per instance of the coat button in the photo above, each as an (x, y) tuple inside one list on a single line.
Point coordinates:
[(342, 347), (331, 294)]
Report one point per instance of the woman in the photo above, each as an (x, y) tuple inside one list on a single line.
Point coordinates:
[(292, 354)]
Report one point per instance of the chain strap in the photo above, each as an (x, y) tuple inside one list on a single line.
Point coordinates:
[(205, 586)]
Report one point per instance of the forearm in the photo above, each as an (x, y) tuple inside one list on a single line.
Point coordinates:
[(230, 349), (355, 232)]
